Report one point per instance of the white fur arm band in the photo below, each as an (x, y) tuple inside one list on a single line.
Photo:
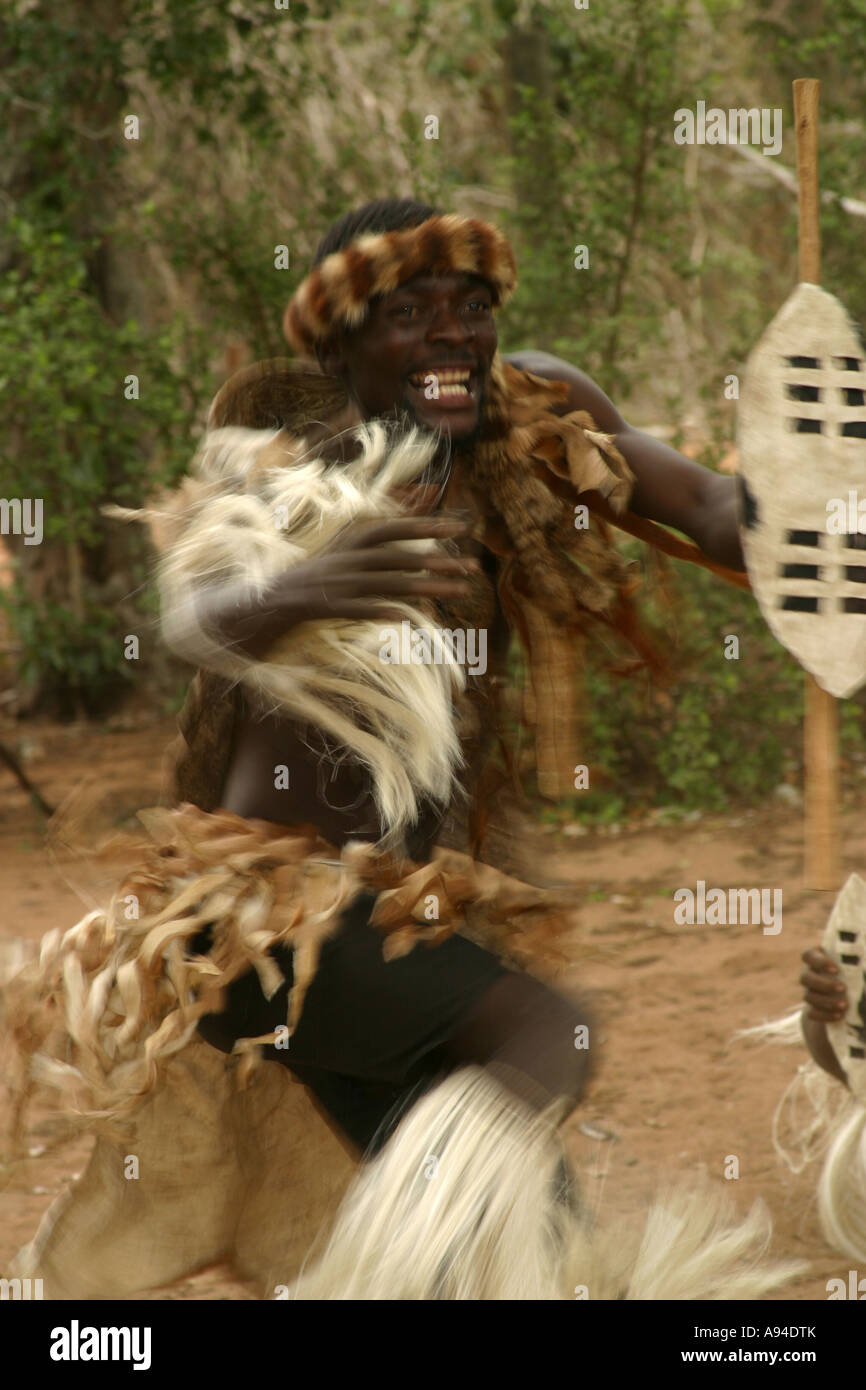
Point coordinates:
[(256, 505)]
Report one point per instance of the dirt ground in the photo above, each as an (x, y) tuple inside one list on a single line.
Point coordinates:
[(672, 1095)]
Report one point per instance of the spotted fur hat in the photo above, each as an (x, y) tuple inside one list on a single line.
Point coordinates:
[(338, 291)]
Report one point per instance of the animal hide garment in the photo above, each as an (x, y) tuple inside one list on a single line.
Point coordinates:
[(110, 1002)]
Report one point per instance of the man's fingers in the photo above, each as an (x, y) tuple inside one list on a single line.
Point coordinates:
[(817, 989), (337, 588), (825, 994), (361, 610), (817, 959), (378, 559), (821, 984), (407, 528), (823, 1011)]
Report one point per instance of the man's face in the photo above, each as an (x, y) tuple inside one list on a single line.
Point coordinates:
[(425, 349)]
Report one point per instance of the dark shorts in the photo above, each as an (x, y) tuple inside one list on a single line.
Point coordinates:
[(371, 1032)]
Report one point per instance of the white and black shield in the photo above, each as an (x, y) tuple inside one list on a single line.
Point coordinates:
[(802, 478), (845, 944)]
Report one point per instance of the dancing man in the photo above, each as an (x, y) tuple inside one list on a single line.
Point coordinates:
[(351, 527)]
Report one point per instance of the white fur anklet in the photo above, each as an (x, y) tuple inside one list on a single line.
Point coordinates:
[(460, 1204)]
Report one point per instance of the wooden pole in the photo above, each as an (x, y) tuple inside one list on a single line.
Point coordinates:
[(821, 714), (9, 758), (806, 94)]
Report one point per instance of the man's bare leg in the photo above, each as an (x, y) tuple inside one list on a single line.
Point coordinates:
[(532, 1038)]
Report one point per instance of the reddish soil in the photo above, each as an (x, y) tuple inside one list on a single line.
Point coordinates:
[(672, 1091)]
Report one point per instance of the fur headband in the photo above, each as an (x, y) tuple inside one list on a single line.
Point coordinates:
[(338, 291)]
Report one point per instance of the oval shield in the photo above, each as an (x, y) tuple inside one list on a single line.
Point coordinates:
[(801, 436)]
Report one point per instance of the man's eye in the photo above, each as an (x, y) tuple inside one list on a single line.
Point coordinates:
[(411, 308), (478, 305)]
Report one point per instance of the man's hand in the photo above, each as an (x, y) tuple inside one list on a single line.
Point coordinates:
[(354, 579), (827, 1002), (826, 996)]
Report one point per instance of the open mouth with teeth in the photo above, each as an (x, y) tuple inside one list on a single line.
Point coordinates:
[(445, 386)]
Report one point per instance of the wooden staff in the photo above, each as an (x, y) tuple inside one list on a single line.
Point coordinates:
[(9, 758), (821, 715)]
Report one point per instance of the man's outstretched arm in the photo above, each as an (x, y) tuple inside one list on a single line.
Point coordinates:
[(669, 488)]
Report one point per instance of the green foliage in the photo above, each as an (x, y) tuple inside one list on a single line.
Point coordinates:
[(594, 165), (827, 42), (258, 128), (75, 441), (76, 654), (79, 434)]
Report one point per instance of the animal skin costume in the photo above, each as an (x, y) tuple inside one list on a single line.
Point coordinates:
[(458, 1203)]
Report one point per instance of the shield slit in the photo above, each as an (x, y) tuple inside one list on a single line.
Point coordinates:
[(748, 502), (801, 572), (799, 603)]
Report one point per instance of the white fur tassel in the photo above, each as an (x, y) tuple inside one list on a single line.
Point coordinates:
[(695, 1248), (459, 1205), (817, 1117), (842, 1188)]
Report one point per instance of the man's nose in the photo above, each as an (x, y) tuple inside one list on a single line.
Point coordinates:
[(446, 323)]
